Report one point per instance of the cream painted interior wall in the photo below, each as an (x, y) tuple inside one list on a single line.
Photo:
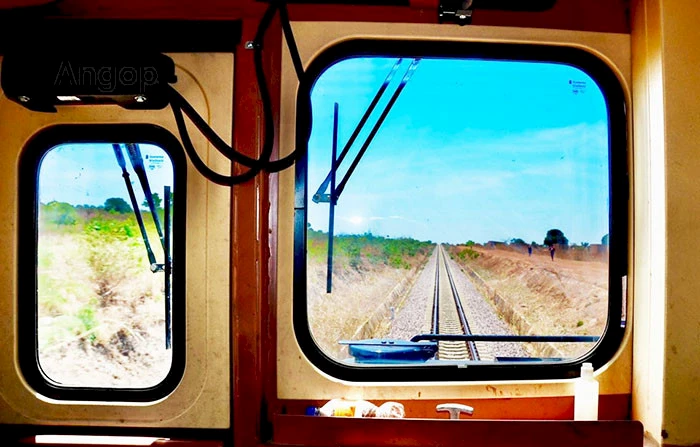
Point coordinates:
[(666, 49), (680, 44), (649, 223), (202, 399)]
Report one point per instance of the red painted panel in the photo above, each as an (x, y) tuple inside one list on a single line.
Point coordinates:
[(583, 15), (350, 432), (611, 407), (252, 320), (113, 441), (9, 4)]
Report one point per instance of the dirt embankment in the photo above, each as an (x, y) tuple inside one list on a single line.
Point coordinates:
[(563, 296)]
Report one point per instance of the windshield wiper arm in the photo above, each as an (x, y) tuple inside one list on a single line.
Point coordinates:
[(137, 162), (375, 129), (332, 197), (122, 164), (168, 268), (320, 195)]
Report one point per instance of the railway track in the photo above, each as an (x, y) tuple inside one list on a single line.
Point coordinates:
[(448, 314)]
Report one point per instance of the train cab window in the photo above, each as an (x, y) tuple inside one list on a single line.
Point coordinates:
[(100, 299), (461, 212)]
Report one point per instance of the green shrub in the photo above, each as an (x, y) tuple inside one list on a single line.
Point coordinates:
[(58, 213), (113, 253), (86, 315), (356, 249), (468, 253)]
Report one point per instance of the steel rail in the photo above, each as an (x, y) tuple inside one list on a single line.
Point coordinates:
[(469, 348), (473, 352), (435, 329)]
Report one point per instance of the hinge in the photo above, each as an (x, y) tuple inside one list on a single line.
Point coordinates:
[(455, 11)]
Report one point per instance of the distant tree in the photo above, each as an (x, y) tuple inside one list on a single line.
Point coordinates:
[(585, 244), (517, 241), (555, 236), (604, 240), (117, 205), (533, 243), (157, 201), (470, 243)]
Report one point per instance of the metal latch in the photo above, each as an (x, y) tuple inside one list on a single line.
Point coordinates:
[(455, 409), (455, 11)]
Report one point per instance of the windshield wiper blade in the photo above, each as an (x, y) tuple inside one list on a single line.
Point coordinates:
[(164, 233), (137, 163), (134, 204)]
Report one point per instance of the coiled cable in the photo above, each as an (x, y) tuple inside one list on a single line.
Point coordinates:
[(179, 105)]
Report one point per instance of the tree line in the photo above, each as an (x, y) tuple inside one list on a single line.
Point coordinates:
[(554, 237), (62, 213)]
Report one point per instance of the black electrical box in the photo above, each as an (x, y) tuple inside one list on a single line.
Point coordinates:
[(41, 79)]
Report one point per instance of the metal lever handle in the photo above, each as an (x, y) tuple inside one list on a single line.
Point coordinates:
[(455, 409)]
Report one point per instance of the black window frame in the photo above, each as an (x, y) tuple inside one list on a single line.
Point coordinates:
[(30, 159), (619, 193)]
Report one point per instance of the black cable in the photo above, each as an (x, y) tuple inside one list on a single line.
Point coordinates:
[(211, 175), (178, 101), (291, 43), (289, 160), (268, 118), (179, 104)]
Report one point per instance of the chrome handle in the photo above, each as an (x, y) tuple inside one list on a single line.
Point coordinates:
[(455, 409)]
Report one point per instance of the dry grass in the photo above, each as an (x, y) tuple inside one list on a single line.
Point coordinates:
[(100, 308), (356, 293)]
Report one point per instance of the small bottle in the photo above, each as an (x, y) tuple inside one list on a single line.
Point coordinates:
[(325, 411), (343, 408), (586, 395)]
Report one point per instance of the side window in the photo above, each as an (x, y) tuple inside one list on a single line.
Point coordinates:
[(101, 263), (462, 212)]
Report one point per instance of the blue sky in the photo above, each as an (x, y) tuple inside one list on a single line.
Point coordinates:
[(88, 174), (480, 150)]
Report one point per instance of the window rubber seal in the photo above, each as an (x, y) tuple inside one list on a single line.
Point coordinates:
[(27, 306)]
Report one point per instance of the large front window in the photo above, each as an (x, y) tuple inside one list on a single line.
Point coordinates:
[(464, 211)]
